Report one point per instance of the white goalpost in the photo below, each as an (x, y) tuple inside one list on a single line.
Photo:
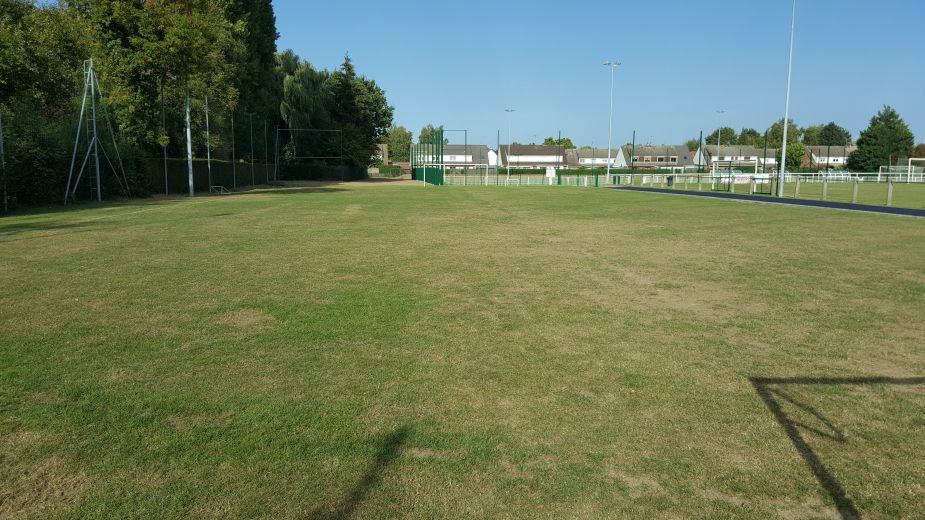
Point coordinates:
[(911, 171)]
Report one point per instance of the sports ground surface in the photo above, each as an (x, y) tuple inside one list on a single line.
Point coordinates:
[(379, 350)]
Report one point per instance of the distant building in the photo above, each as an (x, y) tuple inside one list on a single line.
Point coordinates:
[(736, 157), (594, 158), (462, 155), (829, 157), (533, 156), (654, 157)]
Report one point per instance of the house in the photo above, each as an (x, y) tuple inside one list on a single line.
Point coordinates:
[(736, 157), (829, 157), (462, 155), (653, 157), (594, 158), (532, 156)]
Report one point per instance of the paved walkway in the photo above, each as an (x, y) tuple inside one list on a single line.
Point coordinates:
[(775, 200)]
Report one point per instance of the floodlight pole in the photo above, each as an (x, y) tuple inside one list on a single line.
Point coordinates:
[(613, 64), (719, 139), (509, 111), (96, 152), (234, 167), (250, 117), (189, 144), (208, 145), (3, 166), (782, 171)]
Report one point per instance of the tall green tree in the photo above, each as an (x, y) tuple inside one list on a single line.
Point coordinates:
[(833, 135), (360, 110), (812, 135), (795, 153), (426, 134), (564, 142), (255, 73), (725, 135), (918, 151), (41, 51), (750, 137), (776, 133), (399, 140), (693, 144), (885, 139)]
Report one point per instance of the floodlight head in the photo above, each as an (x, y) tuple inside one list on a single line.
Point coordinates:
[(612, 63), (509, 110)]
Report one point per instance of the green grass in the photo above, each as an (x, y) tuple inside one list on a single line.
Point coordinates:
[(393, 351), (872, 193)]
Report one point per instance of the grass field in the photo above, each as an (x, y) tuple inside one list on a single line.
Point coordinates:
[(871, 193), (383, 350)]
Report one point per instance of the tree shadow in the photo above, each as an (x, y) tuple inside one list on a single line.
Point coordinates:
[(390, 449), (26, 227), (767, 389)]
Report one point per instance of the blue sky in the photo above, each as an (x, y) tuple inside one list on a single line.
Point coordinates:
[(461, 64)]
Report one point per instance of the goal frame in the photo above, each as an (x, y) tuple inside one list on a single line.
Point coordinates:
[(307, 157)]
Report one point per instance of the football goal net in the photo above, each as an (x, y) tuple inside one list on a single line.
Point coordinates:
[(308, 146)]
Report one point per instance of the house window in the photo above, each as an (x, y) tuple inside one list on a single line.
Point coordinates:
[(673, 159), (452, 157), (660, 159), (647, 159)]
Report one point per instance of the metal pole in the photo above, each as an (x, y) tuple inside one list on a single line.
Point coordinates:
[(189, 144), (234, 166), (700, 155), (613, 65), (96, 153), (782, 171), (251, 125), (3, 166), (509, 140), (764, 161), (208, 145), (266, 159), (164, 148)]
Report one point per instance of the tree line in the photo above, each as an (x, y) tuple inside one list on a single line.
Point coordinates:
[(149, 57), (886, 141)]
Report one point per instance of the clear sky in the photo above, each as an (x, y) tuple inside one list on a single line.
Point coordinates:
[(460, 64)]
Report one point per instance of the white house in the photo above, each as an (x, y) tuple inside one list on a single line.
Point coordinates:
[(660, 156), (532, 156), (595, 158), (462, 155), (737, 157), (830, 156)]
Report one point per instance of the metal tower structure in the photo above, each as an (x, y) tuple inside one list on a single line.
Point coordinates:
[(94, 147)]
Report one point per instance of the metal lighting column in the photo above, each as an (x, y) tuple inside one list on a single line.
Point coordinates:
[(613, 64), (208, 146), (189, 145), (509, 139), (250, 117), (782, 171), (3, 165), (96, 153), (234, 167)]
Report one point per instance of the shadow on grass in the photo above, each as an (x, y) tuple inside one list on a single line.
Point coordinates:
[(24, 227), (769, 391), (389, 450)]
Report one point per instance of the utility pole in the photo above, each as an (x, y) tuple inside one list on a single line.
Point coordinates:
[(6, 208), (208, 146), (250, 117), (782, 171), (189, 144), (613, 64), (509, 111)]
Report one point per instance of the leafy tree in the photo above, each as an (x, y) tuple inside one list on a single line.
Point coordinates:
[(360, 110), (693, 144), (918, 151), (564, 142), (812, 135), (255, 75), (834, 135), (399, 140), (426, 134), (887, 137), (796, 151), (776, 133), (41, 50), (750, 137), (725, 135)]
